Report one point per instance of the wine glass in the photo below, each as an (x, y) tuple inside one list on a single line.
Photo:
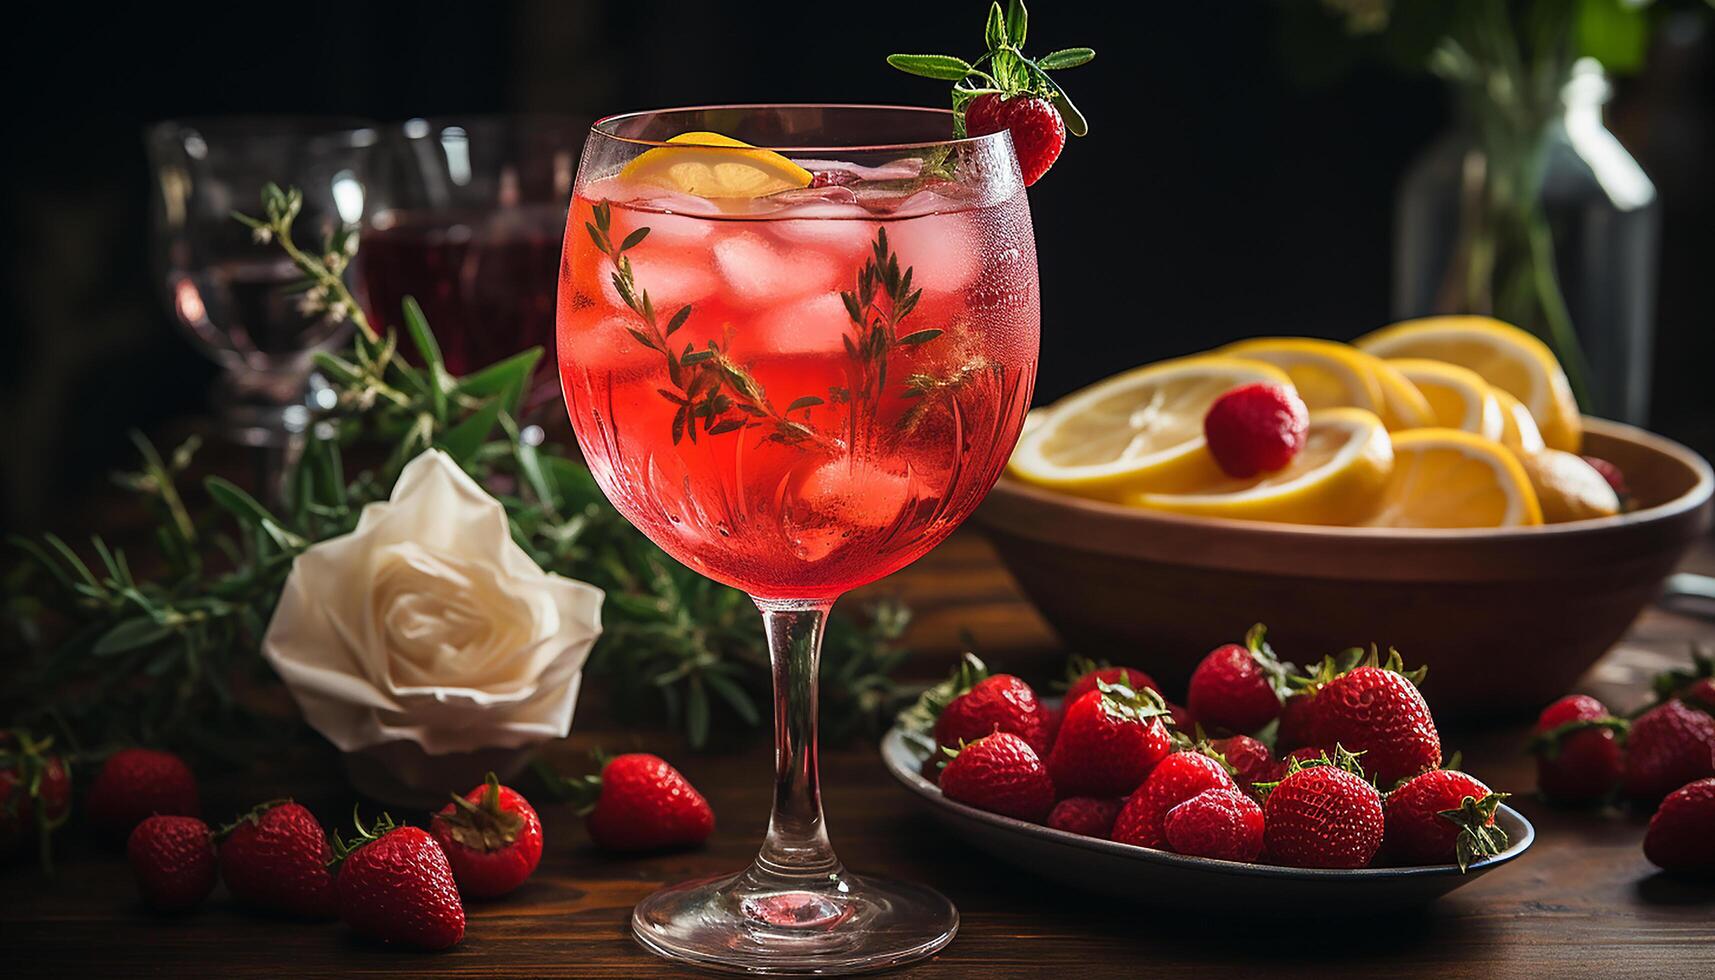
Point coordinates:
[(466, 215), (796, 370), (234, 294)]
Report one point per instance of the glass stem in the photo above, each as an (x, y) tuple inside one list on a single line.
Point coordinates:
[(797, 846)]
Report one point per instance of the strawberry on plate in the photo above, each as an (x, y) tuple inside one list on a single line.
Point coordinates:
[(1238, 688), (1109, 741), (1579, 755), (1670, 745), (639, 802), (1176, 779), (173, 860), (999, 773), (1216, 823), (1087, 815), (1323, 814), (395, 885), (492, 837), (1376, 711), (1681, 835), (1249, 759), (1005, 90), (997, 703), (1082, 673), (276, 858), (1442, 816), (136, 783)]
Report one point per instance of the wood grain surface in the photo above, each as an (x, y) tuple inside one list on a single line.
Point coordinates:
[(1583, 902)]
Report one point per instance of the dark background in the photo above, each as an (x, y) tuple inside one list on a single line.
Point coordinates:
[(1222, 193)]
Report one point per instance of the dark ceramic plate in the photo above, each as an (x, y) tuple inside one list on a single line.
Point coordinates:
[(1146, 875)]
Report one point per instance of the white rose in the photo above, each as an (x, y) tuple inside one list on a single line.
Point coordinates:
[(429, 624)]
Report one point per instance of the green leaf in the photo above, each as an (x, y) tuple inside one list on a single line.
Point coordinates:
[(697, 713), (508, 379), (920, 337), (1613, 32), (1076, 124), (1017, 22), (1065, 58), (634, 239), (808, 401), (239, 503), (735, 696), (994, 30), (424, 338), (944, 67), (463, 440), (130, 634)]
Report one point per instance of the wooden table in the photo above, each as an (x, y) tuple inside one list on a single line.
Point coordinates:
[(1583, 902)]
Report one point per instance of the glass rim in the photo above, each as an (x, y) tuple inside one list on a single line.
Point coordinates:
[(596, 128)]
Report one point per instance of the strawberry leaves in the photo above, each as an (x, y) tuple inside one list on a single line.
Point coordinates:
[(1004, 69)]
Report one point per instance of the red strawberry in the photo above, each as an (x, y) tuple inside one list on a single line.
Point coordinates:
[(492, 837), (1176, 779), (997, 703), (1681, 835), (1052, 716), (1085, 815), (1256, 428), (1303, 754), (276, 858), (1182, 717), (1038, 131), (1670, 745), (1238, 688), (395, 885), (1701, 694), (1323, 816), (1216, 823), (639, 803), (35, 793), (1250, 760), (1613, 474), (1443, 816), (1110, 739), (135, 783), (1376, 711), (1295, 728), (1083, 673), (1579, 758), (1000, 773), (173, 860)]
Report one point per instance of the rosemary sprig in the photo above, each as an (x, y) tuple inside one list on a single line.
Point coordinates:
[(883, 297)]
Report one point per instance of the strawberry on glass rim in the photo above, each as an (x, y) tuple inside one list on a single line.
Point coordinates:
[(1004, 89)]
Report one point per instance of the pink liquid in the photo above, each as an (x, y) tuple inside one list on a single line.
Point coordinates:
[(893, 452)]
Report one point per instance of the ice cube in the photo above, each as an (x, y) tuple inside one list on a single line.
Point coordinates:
[(858, 493), (759, 274), (804, 326), (942, 250), (901, 169), (672, 279)]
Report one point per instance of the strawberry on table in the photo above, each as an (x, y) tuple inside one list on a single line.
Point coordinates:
[(1087, 815), (1376, 711), (1176, 779), (1238, 688), (1082, 674), (492, 837), (1005, 90), (1216, 823), (997, 703), (1670, 745), (1681, 835), (173, 860), (1256, 428), (395, 885), (999, 773), (638, 803), (136, 783), (1443, 816), (276, 858), (1109, 741), (1323, 815), (1579, 756), (35, 793)]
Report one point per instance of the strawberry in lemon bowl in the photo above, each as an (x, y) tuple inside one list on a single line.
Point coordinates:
[(1431, 485)]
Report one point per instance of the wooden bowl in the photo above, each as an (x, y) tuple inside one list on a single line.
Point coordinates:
[(1507, 619)]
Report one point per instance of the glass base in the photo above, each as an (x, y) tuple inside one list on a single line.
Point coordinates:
[(752, 923)]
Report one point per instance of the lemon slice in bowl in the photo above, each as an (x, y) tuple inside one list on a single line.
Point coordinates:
[(1136, 431), (1326, 373), (1449, 478), (1505, 356), (1403, 405), (1337, 478), (1458, 397), (1518, 429), (714, 166)]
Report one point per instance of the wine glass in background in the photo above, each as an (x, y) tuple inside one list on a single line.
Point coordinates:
[(234, 294), (466, 215)]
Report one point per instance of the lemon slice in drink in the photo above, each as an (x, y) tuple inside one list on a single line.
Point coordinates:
[(1141, 430), (1449, 478), (1458, 397), (1337, 478), (714, 166), (1504, 355), (1518, 429), (1327, 374)]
